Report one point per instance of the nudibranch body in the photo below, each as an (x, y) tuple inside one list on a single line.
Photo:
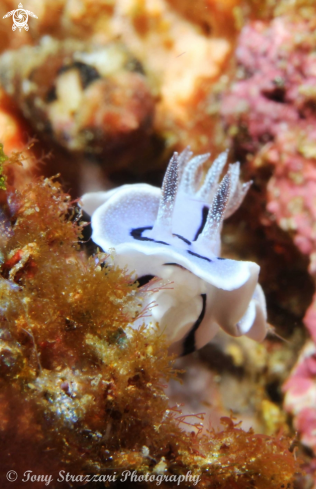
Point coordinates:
[(173, 234)]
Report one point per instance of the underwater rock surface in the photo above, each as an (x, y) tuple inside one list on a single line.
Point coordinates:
[(56, 406), (270, 113), (85, 98), (78, 392), (155, 103)]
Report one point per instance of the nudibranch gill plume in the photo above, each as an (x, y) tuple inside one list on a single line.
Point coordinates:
[(173, 234)]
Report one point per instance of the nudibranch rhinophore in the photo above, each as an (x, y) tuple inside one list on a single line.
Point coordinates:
[(173, 234)]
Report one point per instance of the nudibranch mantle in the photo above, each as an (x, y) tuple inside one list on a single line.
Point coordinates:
[(173, 235)]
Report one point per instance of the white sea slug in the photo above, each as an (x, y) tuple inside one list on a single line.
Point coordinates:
[(173, 234)]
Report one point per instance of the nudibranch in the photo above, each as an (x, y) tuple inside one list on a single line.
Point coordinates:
[(173, 235)]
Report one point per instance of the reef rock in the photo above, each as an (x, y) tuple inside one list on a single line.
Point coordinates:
[(270, 113)]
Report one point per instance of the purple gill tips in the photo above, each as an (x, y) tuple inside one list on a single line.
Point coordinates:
[(189, 178), (234, 172), (183, 159), (209, 186), (168, 194), (237, 195), (244, 188), (216, 213)]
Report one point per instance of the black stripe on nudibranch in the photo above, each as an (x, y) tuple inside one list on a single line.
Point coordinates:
[(87, 229), (137, 234), (86, 242), (189, 341), (175, 265), (199, 256), (159, 242), (181, 237), (203, 221), (220, 258), (144, 280)]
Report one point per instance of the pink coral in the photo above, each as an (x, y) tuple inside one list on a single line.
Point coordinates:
[(270, 111), (301, 395)]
